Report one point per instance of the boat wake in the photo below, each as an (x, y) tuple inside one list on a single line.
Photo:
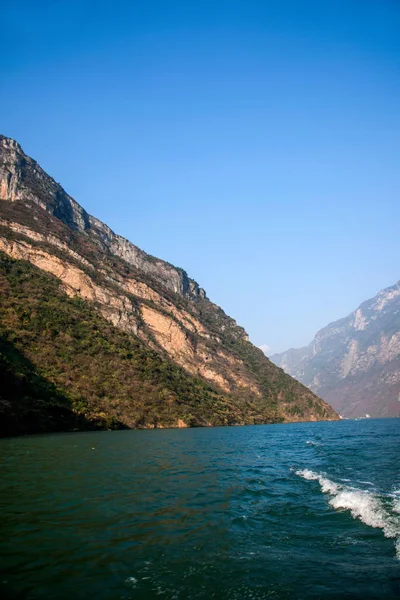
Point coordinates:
[(368, 507)]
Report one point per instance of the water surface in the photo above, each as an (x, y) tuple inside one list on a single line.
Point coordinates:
[(309, 510)]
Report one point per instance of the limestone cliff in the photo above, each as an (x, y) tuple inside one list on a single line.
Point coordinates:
[(354, 363), (141, 295), (21, 178)]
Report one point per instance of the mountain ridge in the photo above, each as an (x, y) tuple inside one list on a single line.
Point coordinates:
[(354, 362), (140, 295), (68, 210)]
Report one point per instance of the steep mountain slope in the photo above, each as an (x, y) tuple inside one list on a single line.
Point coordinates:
[(143, 303), (354, 363)]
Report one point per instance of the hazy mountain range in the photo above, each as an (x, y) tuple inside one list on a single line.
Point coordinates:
[(354, 363)]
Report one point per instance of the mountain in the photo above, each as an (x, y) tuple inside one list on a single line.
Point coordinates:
[(95, 333), (354, 363)]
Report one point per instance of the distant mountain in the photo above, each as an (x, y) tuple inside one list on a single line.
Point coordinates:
[(94, 332), (354, 363)]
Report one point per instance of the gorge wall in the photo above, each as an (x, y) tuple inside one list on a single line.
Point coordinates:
[(148, 303)]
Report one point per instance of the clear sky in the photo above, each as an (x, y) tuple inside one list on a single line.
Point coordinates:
[(254, 144)]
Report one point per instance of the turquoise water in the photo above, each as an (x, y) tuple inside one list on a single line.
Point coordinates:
[(309, 510)]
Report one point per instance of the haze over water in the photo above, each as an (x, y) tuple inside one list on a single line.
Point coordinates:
[(308, 510)]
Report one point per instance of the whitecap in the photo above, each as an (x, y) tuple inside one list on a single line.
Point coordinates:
[(363, 505), (396, 505), (130, 581), (327, 486)]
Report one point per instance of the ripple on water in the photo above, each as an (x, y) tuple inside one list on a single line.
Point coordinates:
[(205, 513)]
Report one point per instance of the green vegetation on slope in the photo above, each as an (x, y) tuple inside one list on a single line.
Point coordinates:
[(285, 396), (64, 366)]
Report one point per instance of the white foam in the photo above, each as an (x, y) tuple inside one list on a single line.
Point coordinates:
[(396, 505), (363, 505), (395, 498), (327, 485), (366, 482)]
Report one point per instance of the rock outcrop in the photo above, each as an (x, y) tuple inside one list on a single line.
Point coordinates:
[(141, 295)]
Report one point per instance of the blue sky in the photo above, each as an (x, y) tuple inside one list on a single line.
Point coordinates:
[(255, 144)]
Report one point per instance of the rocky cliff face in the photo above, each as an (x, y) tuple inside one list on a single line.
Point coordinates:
[(141, 295), (21, 178), (354, 363)]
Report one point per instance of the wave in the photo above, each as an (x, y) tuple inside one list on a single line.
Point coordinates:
[(130, 581), (396, 501), (363, 505), (312, 443)]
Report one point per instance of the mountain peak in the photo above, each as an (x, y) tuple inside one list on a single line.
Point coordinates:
[(10, 155), (9, 143)]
